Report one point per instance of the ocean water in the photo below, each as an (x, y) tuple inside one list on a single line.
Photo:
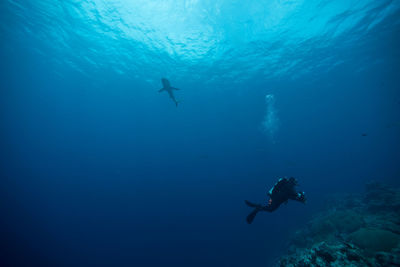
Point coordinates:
[(99, 169)]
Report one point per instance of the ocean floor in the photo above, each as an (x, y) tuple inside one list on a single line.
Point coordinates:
[(353, 230)]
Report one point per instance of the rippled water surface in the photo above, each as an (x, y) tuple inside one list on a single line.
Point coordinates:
[(211, 39)]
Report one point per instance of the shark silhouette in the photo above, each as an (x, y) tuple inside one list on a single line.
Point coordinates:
[(167, 87)]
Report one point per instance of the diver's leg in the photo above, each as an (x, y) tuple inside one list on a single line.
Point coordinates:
[(269, 208), (252, 215)]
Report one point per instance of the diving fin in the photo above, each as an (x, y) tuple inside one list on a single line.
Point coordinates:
[(253, 205), (252, 215)]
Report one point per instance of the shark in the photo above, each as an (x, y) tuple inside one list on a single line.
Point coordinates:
[(170, 90)]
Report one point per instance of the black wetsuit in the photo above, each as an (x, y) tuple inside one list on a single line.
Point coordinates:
[(282, 191)]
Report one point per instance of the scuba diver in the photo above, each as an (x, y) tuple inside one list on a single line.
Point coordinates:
[(280, 193), (167, 87)]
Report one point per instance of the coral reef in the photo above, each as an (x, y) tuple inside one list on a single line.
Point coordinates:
[(354, 230)]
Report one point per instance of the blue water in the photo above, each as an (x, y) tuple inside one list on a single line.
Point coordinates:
[(99, 169)]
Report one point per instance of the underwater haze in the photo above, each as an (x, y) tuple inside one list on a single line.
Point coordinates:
[(97, 168)]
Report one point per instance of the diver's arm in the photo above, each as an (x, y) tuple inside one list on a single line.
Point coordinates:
[(300, 196)]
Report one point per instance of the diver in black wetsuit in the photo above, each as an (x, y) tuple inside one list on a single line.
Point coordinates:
[(282, 191)]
